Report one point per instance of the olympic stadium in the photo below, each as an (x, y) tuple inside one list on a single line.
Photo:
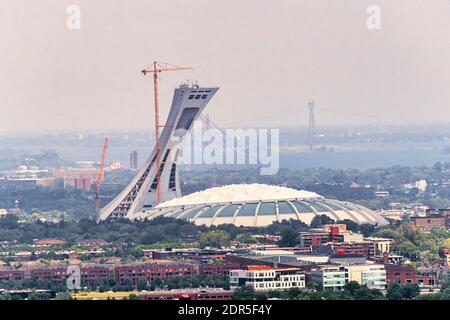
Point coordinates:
[(155, 190), (258, 205)]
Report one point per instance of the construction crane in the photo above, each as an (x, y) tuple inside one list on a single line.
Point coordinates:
[(100, 176), (156, 68)]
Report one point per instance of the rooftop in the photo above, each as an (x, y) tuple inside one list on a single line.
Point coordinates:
[(240, 193)]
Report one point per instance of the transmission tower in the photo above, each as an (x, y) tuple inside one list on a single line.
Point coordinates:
[(310, 138)]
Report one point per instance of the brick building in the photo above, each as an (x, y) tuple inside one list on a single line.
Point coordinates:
[(217, 270), (400, 274), (366, 249), (90, 273), (152, 271), (433, 218)]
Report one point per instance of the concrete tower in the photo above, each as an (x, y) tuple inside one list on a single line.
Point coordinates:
[(140, 195)]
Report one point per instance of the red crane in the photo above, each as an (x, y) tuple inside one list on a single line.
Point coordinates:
[(156, 69), (100, 176)]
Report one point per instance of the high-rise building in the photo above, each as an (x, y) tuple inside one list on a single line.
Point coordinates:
[(134, 160)]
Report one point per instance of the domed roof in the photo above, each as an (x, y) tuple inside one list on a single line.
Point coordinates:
[(258, 205), (239, 193)]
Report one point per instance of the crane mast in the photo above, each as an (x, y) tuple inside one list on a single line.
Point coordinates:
[(156, 69), (100, 176)]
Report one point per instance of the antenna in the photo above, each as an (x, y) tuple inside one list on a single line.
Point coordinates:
[(310, 138)]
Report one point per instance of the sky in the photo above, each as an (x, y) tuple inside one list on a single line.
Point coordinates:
[(268, 57)]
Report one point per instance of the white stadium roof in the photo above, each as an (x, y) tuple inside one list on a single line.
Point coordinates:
[(258, 205), (239, 193)]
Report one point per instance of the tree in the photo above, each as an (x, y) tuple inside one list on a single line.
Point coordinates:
[(63, 296), (447, 243), (319, 221), (215, 239), (157, 283), (410, 291), (142, 284), (364, 293), (394, 292), (40, 296), (350, 224), (9, 221), (289, 238), (366, 229), (445, 284), (352, 287), (244, 293), (245, 238), (294, 293), (407, 249)]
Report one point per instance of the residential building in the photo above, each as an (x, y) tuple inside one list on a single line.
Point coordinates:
[(382, 245), (134, 160), (89, 273), (331, 278), (329, 233), (433, 218), (382, 194), (429, 222), (334, 277), (266, 278), (402, 274), (314, 238), (150, 272), (445, 256), (217, 269), (366, 249), (371, 275)]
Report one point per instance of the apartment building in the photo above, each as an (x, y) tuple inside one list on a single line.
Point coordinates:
[(334, 277), (265, 278)]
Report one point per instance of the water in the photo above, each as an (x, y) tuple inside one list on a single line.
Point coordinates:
[(335, 160), (362, 159)]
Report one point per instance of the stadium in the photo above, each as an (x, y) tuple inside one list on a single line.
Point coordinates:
[(155, 190), (258, 205)]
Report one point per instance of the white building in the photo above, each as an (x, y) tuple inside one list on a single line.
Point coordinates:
[(331, 278), (373, 276), (336, 277), (382, 244), (267, 279)]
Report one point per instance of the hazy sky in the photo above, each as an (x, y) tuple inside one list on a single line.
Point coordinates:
[(268, 57)]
